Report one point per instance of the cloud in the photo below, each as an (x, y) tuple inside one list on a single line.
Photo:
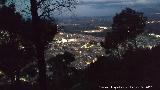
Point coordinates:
[(110, 7), (100, 4), (146, 1), (104, 4), (119, 1), (99, 1)]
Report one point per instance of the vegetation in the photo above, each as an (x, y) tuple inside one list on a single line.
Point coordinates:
[(37, 32), (136, 67), (36, 25), (126, 26), (22, 50)]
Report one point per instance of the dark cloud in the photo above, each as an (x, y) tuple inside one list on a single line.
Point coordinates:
[(110, 7), (98, 2), (119, 1)]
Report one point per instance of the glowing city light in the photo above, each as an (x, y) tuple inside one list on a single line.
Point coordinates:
[(1, 73), (87, 62), (87, 45), (23, 79), (93, 31), (61, 33), (64, 40), (79, 45), (157, 13), (153, 21), (149, 46), (72, 40), (155, 35), (103, 27), (158, 36)]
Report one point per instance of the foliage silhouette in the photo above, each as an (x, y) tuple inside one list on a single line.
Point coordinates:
[(2, 2), (139, 67), (13, 19), (36, 26), (64, 76), (126, 25), (15, 51), (39, 31), (129, 23)]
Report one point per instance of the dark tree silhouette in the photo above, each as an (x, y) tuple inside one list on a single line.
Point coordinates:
[(2, 2), (143, 64), (135, 65), (129, 23), (13, 19), (14, 56), (63, 77), (111, 41), (139, 67), (39, 36), (41, 29), (126, 25), (15, 51)]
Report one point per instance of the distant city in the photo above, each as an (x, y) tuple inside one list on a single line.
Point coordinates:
[(79, 44), (86, 25), (82, 37), (87, 48)]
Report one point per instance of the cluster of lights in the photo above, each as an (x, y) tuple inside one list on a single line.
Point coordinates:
[(157, 13), (23, 79), (88, 62), (76, 24), (1, 73), (63, 40), (149, 46), (3, 35), (86, 52), (155, 35), (87, 45), (152, 22), (93, 31), (103, 27), (100, 29), (149, 40), (80, 45)]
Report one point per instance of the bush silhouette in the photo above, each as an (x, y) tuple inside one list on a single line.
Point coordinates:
[(126, 25)]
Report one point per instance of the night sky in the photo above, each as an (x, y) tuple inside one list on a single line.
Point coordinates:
[(110, 7), (105, 7)]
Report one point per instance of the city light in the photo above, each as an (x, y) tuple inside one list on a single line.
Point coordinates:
[(23, 79), (87, 45), (155, 35), (72, 40), (157, 13), (153, 22), (93, 31), (87, 62), (149, 46), (103, 27), (1, 73), (64, 40), (87, 52), (79, 45)]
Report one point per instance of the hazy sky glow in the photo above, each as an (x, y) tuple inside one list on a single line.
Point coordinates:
[(105, 7), (121, 1), (110, 7)]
